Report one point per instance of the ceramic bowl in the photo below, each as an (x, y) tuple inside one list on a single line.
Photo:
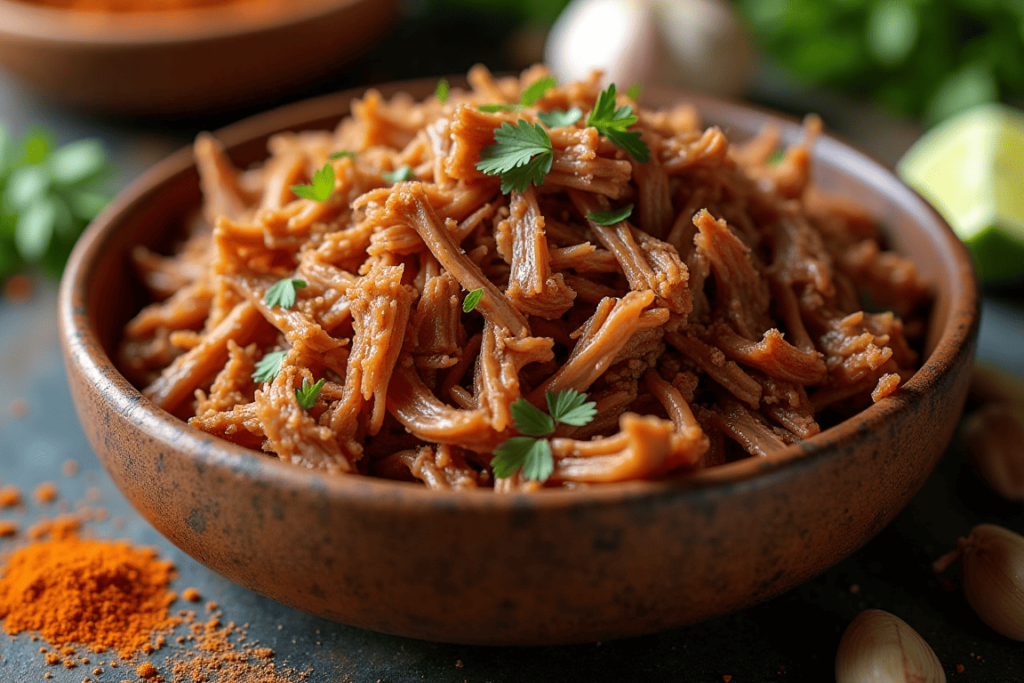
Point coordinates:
[(173, 63), (553, 567)]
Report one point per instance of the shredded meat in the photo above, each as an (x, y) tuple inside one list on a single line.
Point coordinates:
[(736, 310)]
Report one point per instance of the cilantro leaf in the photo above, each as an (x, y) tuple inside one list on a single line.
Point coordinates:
[(400, 174), (559, 118), (341, 154), (309, 393), (634, 91), (321, 188), (472, 299), (531, 420), (282, 293), (78, 161), (268, 367), (612, 122), (611, 217), (441, 92), (533, 456), (521, 154), (571, 407), (776, 157), (536, 90)]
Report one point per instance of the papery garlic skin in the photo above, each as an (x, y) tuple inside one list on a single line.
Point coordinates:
[(879, 647), (992, 574), (618, 37), (994, 439)]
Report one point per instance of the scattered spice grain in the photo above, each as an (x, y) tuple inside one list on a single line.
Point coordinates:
[(70, 467), (45, 493), (191, 594), (147, 671), (10, 496), (8, 529), (959, 668)]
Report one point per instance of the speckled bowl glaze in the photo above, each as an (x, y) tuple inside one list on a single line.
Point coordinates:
[(554, 567), (184, 62)]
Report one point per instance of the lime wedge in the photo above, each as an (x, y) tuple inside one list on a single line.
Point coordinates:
[(971, 168)]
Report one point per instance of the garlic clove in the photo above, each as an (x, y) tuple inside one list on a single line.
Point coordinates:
[(992, 574), (994, 439), (618, 37), (879, 647), (705, 46)]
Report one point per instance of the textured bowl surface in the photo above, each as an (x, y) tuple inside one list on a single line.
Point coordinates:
[(184, 62), (557, 567)]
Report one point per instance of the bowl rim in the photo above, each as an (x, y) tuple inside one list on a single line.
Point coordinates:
[(97, 29), (83, 347)]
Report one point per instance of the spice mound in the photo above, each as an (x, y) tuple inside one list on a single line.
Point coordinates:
[(106, 595)]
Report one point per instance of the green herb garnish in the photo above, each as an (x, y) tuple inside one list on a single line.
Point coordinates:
[(400, 174), (342, 154), (612, 122), (321, 188), (269, 366), (521, 154), (531, 94), (472, 299), (611, 217), (282, 293), (776, 157), (47, 197), (441, 91), (559, 118), (533, 455), (634, 90), (309, 393)]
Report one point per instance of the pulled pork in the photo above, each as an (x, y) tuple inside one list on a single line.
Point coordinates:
[(722, 319)]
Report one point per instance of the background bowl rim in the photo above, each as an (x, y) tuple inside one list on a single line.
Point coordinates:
[(83, 348), (114, 30)]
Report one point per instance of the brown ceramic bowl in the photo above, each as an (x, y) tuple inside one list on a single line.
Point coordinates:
[(172, 63), (553, 567)]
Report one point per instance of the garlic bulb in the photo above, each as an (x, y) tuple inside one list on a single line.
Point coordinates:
[(879, 647), (992, 574), (693, 44), (994, 439)]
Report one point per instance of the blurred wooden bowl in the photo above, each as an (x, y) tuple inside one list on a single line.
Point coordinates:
[(184, 62)]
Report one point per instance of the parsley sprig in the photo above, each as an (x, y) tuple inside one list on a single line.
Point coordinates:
[(441, 91), (611, 217), (559, 118), (269, 366), (309, 393), (321, 187), (283, 293), (533, 455), (613, 123), (530, 94), (472, 299), (521, 154), (400, 174)]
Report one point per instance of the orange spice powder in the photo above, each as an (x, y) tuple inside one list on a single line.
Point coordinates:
[(102, 594)]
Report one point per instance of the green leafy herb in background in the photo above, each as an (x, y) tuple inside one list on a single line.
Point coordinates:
[(400, 174), (472, 299), (268, 367), (283, 292), (342, 154), (611, 217), (929, 58), (309, 393), (613, 122), (321, 187), (533, 455), (521, 154), (48, 195)]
